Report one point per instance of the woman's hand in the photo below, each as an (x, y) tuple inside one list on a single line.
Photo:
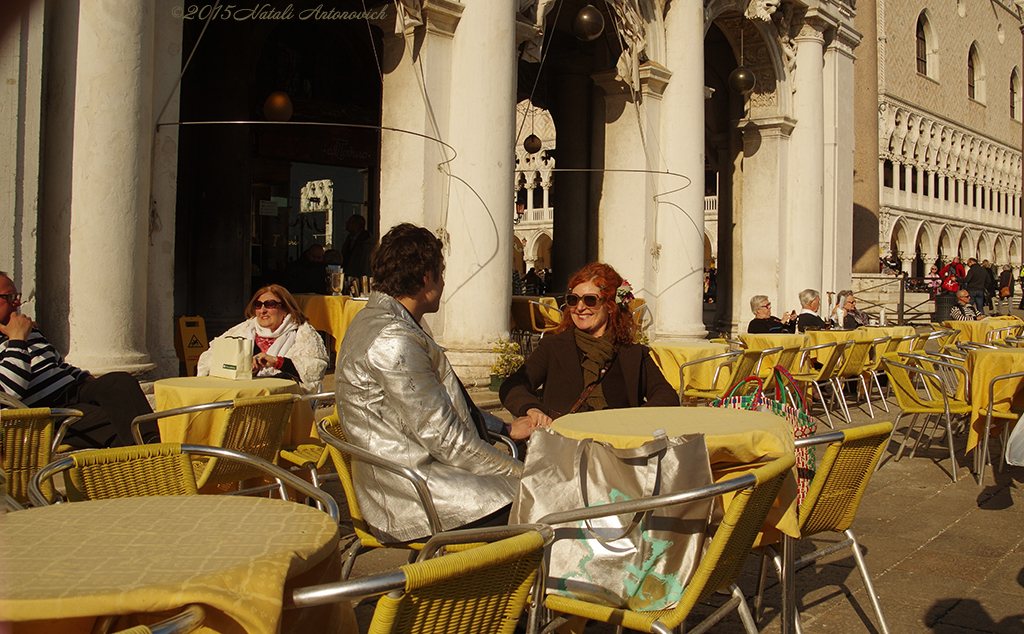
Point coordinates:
[(263, 360), (523, 426)]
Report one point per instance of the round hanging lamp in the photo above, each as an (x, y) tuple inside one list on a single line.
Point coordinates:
[(278, 106), (589, 24), (532, 144), (741, 80)]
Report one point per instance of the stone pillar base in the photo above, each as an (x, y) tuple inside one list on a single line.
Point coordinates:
[(472, 364)]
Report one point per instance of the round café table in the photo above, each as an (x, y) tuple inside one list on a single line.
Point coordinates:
[(67, 565), (737, 440), (198, 428), (670, 357), (983, 366), (976, 331)]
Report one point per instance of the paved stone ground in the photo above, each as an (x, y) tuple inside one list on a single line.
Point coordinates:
[(945, 557)]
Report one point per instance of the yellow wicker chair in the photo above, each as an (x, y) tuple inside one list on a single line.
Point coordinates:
[(479, 590), (156, 469), (253, 426), (853, 367), (188, 621), (937, 402), (741, 364), (341, 453), (29, 443), (834, 496), (871, 368), (823, 375), (721, 564), (311, 457)]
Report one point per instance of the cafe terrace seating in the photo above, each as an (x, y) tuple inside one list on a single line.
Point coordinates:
[(934, 402), (481, 590), (155, 469), (740, 365), (253, 425), (311, 457), (833, 499), (29, 443), (721, 564), (826, 374)]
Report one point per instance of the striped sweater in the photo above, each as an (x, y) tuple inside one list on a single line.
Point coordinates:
[(33, 372)]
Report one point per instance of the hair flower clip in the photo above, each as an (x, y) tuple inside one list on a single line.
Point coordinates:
[(624, 295)]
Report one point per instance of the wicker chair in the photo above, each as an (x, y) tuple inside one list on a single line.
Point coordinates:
[(824, 374), (937, 402), (479, 590), (833, 498), (253, 426), (723, 558), (311, 457), (744, 363), (29, 443), (853, 367), (188, 621), (155, 469)]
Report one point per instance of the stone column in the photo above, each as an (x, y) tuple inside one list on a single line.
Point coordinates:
[(839, 160), (801, 252), (416, 93), (866, 180), (478, 283), (677, 253), (110, 192)]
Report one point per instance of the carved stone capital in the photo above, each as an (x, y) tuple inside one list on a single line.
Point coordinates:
[(441, 17), (654, 78), (810, 28)]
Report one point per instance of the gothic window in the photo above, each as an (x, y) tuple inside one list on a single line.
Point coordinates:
[(975, 75), (922, 47), (1015, 113)]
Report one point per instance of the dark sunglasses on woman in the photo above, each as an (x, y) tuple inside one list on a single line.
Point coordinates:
[(270, 303), (590, 301)]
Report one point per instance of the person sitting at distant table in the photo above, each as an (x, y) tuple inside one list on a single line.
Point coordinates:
[(592, 361), (810, 302), (286, 342), (964, 310), (845, 312), (764, 322)]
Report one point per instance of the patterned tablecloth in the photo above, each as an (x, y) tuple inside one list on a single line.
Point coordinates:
[(199, 429), (66, 565), (736, 440)]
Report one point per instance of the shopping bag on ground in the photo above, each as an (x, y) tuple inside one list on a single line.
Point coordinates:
[(1014, 453), (640, 561), (800, 422), (231, 358)]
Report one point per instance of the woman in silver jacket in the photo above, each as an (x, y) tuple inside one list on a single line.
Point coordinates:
[(399, 398)]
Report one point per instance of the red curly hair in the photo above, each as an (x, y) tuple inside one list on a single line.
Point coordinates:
[(608, 280)]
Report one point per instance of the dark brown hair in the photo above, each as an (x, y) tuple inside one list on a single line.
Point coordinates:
[(403, 258)]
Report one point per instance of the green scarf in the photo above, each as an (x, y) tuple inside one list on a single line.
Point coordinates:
[(597, 352)]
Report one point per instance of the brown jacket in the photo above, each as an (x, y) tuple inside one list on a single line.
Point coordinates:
[(633, 380)]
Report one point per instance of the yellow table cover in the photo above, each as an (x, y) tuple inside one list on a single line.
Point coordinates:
[(736, 439), (67, 564), (983, 366), (767, 341), (330, 313), (698, 376), (977, 330), (199, 428)]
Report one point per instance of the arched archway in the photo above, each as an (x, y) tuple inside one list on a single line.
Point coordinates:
[(542, 251)]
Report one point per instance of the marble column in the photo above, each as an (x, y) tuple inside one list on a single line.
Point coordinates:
[(801, 252), (478, 282), (677, 253), (416, 94), (110, 192)]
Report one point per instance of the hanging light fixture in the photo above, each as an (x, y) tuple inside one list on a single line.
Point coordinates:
[(741, 79), (278, 106), (532, 143), (589, 24)]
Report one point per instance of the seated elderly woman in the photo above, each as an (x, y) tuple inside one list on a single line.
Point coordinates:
[(765, 322), (592, 361), (286, 343), (845, 313), (810, 302)]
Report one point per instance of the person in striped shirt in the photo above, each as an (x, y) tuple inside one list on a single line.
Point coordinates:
[(32, 371)]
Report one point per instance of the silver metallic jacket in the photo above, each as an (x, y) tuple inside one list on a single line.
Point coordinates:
[(399, 398)]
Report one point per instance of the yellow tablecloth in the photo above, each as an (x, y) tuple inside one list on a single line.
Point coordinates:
[(977, 330), (767, 341), (195, 390), (735, 440), (874, 332), (696, 377), (983, 366), (67, 564), (330, 313)]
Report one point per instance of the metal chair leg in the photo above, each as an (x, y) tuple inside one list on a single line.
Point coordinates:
[(859, 557), (824, 405)]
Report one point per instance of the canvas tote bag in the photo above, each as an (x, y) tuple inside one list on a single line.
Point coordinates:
[(232, 358), (641, 561)]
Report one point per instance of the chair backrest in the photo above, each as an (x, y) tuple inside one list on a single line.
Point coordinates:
[(254, 426), (27, 445), (343, 465), (544, 317), (723, 560), (482, 589), (745, 365), (841, 478), (856, 358), (830, 366), (136, 471), (907, 395)]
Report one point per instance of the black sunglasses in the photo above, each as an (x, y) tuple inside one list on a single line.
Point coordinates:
[(270, 303), (590, 301), (12, 298)]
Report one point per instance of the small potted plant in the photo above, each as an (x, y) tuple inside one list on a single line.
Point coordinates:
[(509, 360)]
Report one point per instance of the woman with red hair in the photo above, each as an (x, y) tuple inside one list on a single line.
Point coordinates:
[(592, 361)]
